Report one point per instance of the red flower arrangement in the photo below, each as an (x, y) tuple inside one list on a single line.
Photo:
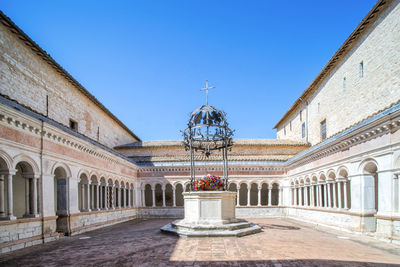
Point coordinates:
[(209, 183)]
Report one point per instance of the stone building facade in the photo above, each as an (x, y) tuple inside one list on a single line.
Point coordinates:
[(63, 174)]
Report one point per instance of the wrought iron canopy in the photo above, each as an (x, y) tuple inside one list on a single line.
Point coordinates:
[(207, 130)]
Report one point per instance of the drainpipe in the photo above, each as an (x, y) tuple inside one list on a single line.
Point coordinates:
[(41, 177)]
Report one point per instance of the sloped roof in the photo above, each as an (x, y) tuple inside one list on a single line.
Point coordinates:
[(46, 57), (359, 31), (236, 142)]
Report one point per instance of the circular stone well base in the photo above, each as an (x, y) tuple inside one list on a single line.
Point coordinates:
[(236, 228)]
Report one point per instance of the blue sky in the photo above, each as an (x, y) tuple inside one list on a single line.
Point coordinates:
[(146, 60)]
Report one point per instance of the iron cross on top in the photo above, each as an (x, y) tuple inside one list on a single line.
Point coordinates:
[(206, 89)]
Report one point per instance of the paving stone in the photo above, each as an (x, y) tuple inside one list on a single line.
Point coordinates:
[(140, 243)]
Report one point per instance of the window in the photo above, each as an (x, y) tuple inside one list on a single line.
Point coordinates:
[(303, 130), (290, 125), (73, 125), (323, 130), (284, 130), (319, 107), (301, 117), (344, 83), (361, 69)]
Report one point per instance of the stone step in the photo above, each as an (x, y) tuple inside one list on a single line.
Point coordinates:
[(212, 232), (223, 227)]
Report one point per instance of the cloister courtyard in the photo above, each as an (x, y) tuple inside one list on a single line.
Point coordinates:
[(282, 242)]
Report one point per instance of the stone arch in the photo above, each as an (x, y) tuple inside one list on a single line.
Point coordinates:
[(370, 185), (6, 162), (60, 189), (25, 158), (159, 194), (178, 195), (243, 194), (65, 167), (264, 193), (148, 195), (275, 194), (168, 195), (61, 186), (331, 174), (253, 193), (25, 189)]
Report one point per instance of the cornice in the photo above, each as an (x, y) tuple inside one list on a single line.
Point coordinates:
[(377, 126), (28, 125)]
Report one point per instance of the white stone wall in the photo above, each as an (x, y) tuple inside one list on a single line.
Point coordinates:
[(379, 50), (28, 79)]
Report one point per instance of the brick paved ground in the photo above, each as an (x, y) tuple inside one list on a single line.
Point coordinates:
[(282, 243)]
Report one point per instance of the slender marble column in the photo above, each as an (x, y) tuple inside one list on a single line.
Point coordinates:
[(82, 196), (121, 197), (259, 196), (27, 197), (248, 195), (97, 189), (334, 195), (88, 196), (10, 197), (295, 196), (320, 195), (291, 196), (238, 196), (92, 196), (346, 205), (340, 195), (269, 197), (35, 196), (312, 195), (307, 188), (280, 197), (154, 196), (329, 194), (113, 196), (301, 189), (326, 196), (2, 210), (142, 197), (173, 197), (163, 196)]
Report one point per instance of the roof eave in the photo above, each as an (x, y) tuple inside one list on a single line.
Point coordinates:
[(335, 59), (36, 48)]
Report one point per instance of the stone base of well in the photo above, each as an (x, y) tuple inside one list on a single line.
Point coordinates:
[(210, 213)]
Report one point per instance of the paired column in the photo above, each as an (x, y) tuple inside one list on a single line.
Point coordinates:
[(248, 194), (173, 197), (312, 196), (334, 185), (163, 196), (113, 199), (340, 194), (82, 196), (88, 196), (10, 196), (2, 210), (153, 192), (346, 184), (238, 196), (259, 196), (320, 195), (106, 201), (301, 189), (27, 195), (269, 197)]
